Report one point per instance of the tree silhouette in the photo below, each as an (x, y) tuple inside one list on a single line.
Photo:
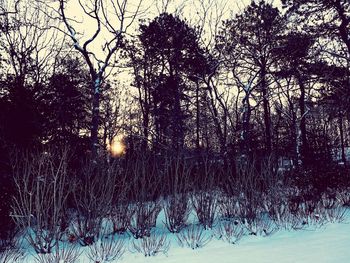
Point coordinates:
[(175, 55), (250, 39)]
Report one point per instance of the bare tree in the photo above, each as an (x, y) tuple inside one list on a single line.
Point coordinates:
[(113, 19), (8, 7), (30, 46)]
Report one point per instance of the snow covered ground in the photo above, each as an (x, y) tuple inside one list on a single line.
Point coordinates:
[(328, 243)]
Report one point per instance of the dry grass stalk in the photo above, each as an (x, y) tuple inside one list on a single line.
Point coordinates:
[(336, 214)]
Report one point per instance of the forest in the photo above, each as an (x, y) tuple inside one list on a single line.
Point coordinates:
[(113, 112)]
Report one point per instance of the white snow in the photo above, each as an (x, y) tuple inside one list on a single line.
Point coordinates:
[(328, 243)]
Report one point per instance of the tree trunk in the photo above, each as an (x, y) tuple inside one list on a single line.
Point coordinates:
[(304, 143), (197, 116), (342, 145), (95, 116), (298, 144), (245, 137), (343, 26), (267, 120), (215, 116)]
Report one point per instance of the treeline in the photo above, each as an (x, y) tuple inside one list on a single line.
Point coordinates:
[(260, 82)]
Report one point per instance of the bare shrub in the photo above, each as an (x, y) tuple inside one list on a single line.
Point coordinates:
[(93, 198), (344, 197), (249, 207), (193, 237), (278, 210), (177, 211), (11, 255), (328, 201), (249, 190), (176, 205), (151, 245), (144, 177), (336, 214), (42, 189), (229, 231), (256, 180), (144, 218), (261, 227), (283, 218), (290, 210), (229, 181), (85, 230), (64, 254), (205, 196), (121, 212), (228, 206), (145, 189), (120, 218), (205, 205), (105, 250), (332, 209), (10, 241), (271, 179), (310, 212)]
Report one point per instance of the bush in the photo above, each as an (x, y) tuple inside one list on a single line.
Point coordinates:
[(7, 190), (177, 211), (177, 182), (229, 231), (205, 205), (104, 250), (193, 237), (151, 245), (64, 254), (93, 200), (11, 255), (39, 206), (144, 218)]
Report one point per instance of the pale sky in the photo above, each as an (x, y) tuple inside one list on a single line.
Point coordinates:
[(191, 10)]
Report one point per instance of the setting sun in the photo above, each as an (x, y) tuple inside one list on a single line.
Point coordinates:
[(117, 147)]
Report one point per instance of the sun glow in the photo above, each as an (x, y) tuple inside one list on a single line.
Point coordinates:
[(117, 147)]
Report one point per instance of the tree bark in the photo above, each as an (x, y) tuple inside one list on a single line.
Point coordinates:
[(303, 136), (95, 116), (342, 145), (266, 106), (246, 143), (197, 116), (343, 27)]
